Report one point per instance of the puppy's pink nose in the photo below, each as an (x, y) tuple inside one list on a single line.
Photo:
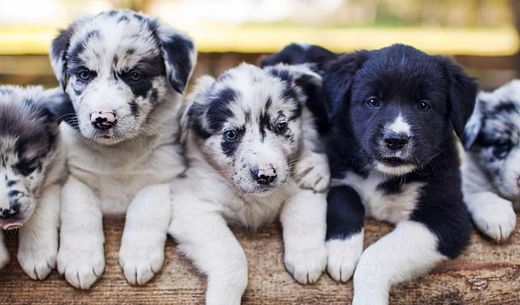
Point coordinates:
[(103, 119), (264, 175)]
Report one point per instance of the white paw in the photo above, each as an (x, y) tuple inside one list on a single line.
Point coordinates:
[(312, 172), (495, 219), (4, 255), (343, 256), (306, 264), (37, 260), (81, 265), (140, 262)]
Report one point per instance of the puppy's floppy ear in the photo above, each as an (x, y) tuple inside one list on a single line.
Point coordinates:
[(194, 107), (462, 95), (301, 76), (338, 78), (179, 55), (474, 124), (57, 105), (58, 52)]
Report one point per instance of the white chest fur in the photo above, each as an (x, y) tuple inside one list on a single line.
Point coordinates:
[(393, 207), (116, 174)]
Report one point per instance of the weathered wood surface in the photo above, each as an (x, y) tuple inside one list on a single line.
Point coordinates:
[(487, 274)]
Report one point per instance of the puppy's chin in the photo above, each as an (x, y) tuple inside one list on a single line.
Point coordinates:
[(395, 170), (107, 138)]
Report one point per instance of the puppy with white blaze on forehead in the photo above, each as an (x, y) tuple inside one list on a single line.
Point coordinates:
[(32, 167), (125, 74), (395, 113), (491, 167), (253, 153)]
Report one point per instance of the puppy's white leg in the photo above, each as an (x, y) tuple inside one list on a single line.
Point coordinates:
[(303, 219), (4, 255), (343, 256), (142, 247), (205, 238), (408, 251), (38, 246), (312, 171), (81, 255), (493, 215)]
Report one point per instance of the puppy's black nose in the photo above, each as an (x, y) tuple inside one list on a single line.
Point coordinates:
[(396, 141), (264, 176), (11, 211), (103, 119)]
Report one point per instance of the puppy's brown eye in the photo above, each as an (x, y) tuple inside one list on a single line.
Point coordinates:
[(502, 149), (424, 106), (230, 135), (281, 127), (373, 102), (135, 75)]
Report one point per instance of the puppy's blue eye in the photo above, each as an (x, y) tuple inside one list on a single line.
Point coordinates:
[(85, 74), (373, 102), (281, 127), (230, 135), (135, 75), (424, 106)]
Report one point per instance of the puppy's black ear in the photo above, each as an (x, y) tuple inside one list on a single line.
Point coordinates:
[(297, 76), (58, 52), (298, 53), (462, 95), (338, 79), (179, 55), (474, 124), (57, 106), (193, 110)]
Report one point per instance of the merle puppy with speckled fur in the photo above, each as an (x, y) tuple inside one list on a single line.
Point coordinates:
[(395, 114), (125, 73), (32, 167)]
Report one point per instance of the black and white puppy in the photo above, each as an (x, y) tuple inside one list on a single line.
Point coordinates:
[(393, 156), (32, 166), (254, 156), (124, 73), (491, 167)]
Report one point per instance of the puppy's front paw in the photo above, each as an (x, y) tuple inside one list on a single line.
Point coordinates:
[(4, 255), (37, 260), (141, 261), (312, 172), (82, 266), (343, 255), (306, 264), (495, 219)]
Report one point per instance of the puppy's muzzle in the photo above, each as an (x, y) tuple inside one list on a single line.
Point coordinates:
[(103, 119), (8, 217), (395, 141), (265, 175)]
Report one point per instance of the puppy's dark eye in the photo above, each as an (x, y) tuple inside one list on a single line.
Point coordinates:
[(502, 149), (281, 127), (373, 102), (424, 106), (26, 167), (135, 75), (230, 135), (85, 74)]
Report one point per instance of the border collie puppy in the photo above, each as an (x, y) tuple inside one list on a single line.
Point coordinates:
[(393, 155), (124, 73), (254, 156), (32, 166), (491, 169)]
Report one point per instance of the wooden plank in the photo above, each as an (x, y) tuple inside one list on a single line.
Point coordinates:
[(487, 274)]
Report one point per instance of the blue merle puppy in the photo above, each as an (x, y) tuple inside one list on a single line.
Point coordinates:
[(491, 171), (395, 114), (31, 169)]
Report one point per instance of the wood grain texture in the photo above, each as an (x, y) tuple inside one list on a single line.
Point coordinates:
[(486, 274)]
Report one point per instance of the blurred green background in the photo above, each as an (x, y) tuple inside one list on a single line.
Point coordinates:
[(483, 35)]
